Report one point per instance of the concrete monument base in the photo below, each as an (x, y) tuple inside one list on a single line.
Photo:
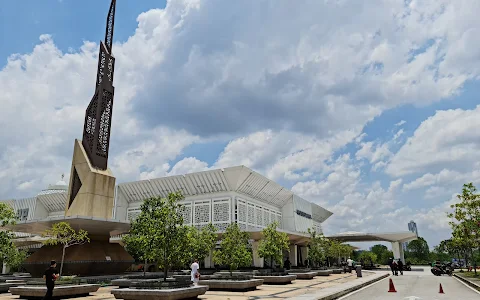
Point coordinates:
[(91, 191), (95, 258)]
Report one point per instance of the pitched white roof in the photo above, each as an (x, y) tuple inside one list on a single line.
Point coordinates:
[(238, 179)]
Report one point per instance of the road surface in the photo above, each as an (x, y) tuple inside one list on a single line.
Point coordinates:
[(416, 286)]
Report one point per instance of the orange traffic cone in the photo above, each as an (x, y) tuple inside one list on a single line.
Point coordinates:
[(391, 288), (441, 289)]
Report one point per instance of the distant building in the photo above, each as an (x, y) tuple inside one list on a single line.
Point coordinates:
[(412, 227)]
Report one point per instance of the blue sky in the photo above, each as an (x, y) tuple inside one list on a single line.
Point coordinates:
[(372, 117)]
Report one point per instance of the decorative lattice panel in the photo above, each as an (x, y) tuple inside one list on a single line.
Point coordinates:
[(279, 220), (221, 226), (186, 212), (221, 211), (258, 216), (266, 217), (132, 214), (202, 212), (251, 214), (241, 212), (273, 217), (199, 227), (242, 226)]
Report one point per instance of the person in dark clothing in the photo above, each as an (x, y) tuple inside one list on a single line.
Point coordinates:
[(400, 266), (344, 266), (395, 267), (390, 264), (50, 275), (287, 264)]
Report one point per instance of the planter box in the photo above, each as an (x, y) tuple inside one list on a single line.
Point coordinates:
[(154, 294), (17, 281), (337, 271), (231, 285), (304, 275), (285, 279), (323, 272), (69, 291), (4, 287), (147, 283)]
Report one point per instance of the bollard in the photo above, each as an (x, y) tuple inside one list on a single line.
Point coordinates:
[(359, 271)]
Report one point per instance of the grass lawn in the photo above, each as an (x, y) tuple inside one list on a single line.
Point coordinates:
[(469, 274)]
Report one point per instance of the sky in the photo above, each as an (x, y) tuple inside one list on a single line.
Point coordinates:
[(368, 108)]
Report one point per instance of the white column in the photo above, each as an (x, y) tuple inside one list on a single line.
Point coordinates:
[(304, 251), (5, 269), (293, 255), (208, 261), (257, 260), (397, 250)]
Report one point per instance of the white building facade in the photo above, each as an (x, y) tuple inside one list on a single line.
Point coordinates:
[(221, 196)]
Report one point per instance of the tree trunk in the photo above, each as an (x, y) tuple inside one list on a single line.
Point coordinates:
[(61, 264), (144, 267), (165, 266), (474, 262), (271, 263)]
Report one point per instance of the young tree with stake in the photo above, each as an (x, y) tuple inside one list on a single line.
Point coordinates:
[(63, 234)]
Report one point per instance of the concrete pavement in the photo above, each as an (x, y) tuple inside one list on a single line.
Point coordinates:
[(416, 286)]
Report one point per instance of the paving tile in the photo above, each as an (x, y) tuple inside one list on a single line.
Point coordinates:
[(263, 292)]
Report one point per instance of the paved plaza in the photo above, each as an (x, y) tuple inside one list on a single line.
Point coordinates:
[(264, 292), (417, 286)]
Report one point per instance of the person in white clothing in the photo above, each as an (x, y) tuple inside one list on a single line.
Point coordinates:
[(195, 275), (350, 264)]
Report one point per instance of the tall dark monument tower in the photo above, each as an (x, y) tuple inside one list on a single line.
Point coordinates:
[(92, 184), (90, 196), (98, 117)]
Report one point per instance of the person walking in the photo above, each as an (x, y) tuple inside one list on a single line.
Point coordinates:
[(390, 264), (195, 275), (50, 275), (395, 267), (350, 265), (344, 266), (400, 266)]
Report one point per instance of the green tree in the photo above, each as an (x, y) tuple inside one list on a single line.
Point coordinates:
[(367, 256), (273, 243), (337, 250), (418, 250), (466, 219), (234, 249), (63, 234), (382, 253), (158, 232), (8, 252), (200, 242), (379, 250), (317, 248)]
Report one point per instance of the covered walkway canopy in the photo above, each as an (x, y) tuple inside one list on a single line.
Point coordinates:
[(396, 238), (401, 237)]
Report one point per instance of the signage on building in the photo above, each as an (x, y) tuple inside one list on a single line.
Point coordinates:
[(304, 214)]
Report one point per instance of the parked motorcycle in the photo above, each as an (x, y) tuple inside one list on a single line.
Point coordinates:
[(440, 269)]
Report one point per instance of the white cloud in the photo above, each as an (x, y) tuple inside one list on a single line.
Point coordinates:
[(449, 139), (188, 165), (288, 96)]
